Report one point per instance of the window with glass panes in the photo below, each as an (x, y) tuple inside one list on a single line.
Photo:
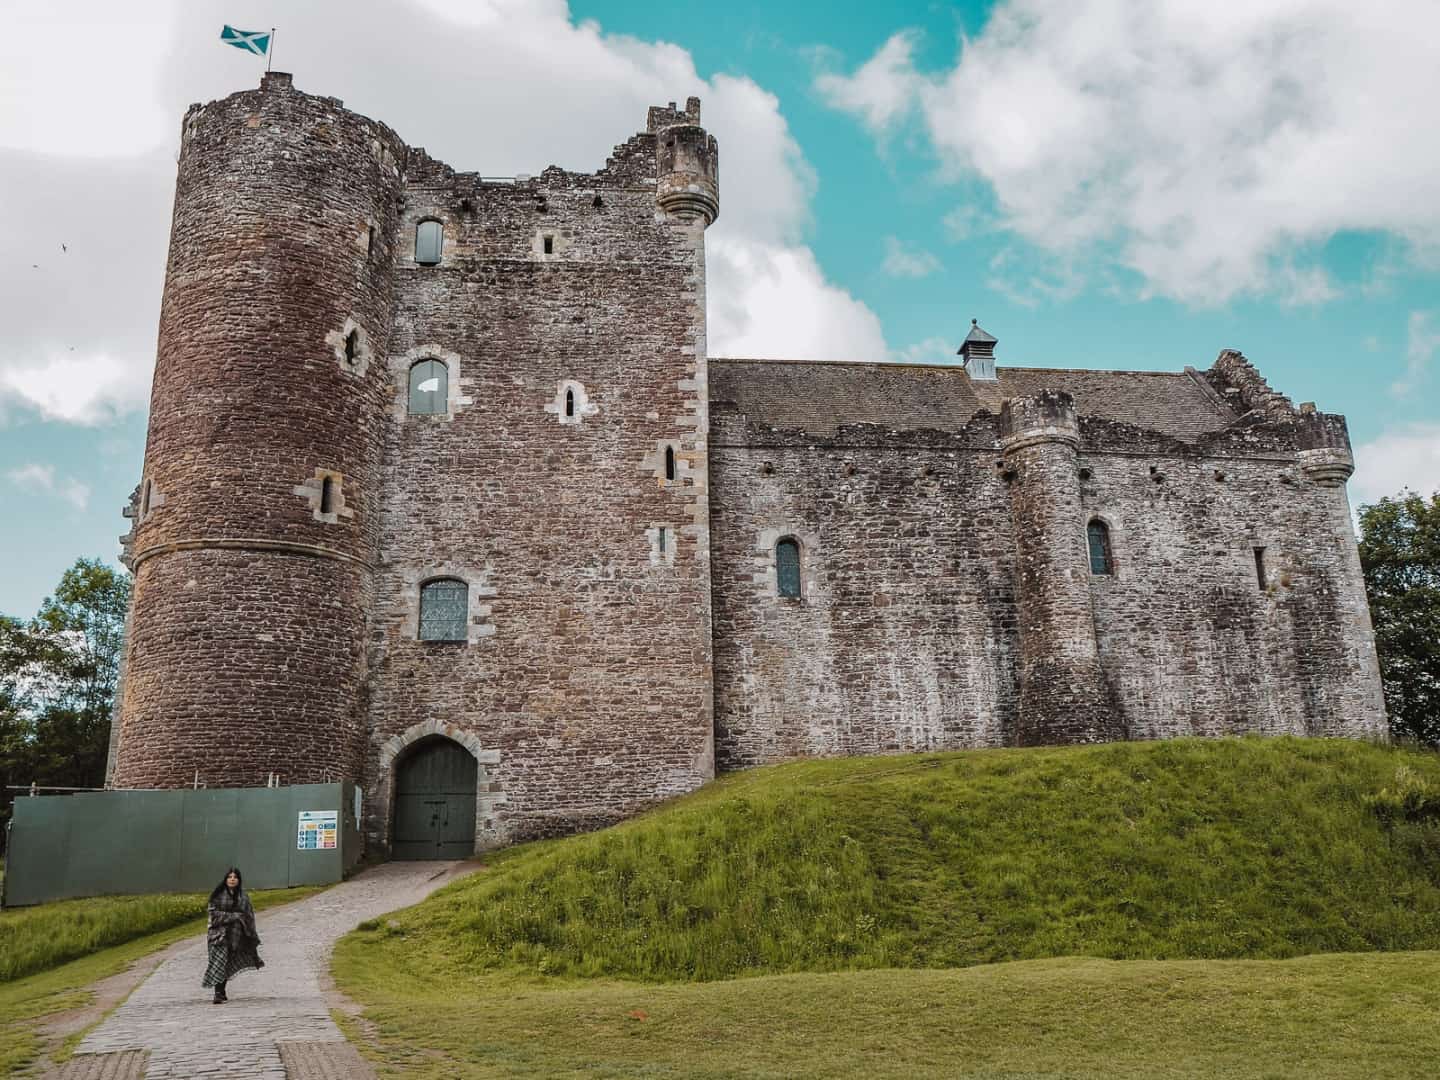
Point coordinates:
[(429, 239), (787, 568), (429, 387), (1100, 559), (444, 607)]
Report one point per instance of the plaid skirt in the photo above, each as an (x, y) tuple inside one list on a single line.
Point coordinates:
[(224, 963)]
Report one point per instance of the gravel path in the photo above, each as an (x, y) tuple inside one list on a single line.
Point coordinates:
[(170, 1016)]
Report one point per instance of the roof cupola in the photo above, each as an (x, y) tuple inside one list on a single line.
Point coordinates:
[(977, 353)]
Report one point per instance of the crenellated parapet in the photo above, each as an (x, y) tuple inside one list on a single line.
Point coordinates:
[(1324, 447)]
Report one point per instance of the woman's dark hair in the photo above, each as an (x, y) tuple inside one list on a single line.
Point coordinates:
[(239, 882)]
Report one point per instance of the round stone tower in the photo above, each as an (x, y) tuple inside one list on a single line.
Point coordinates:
[(1063, 695), (688, 163), (256, 524)]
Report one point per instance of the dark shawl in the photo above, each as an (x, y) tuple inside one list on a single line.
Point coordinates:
[(231, 936)]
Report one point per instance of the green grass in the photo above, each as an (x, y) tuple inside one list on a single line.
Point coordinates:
[(1367, 1017), (35, 938), (62, 986), (1214, 849)]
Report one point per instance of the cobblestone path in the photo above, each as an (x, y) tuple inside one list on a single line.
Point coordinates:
[(170, 1016)]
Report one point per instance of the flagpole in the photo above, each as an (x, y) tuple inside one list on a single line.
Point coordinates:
[(270, 52)]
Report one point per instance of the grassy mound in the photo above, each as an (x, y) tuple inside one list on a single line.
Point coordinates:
[(1187, 849)]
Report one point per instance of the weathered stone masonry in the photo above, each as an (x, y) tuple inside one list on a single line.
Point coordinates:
[(623, 632)]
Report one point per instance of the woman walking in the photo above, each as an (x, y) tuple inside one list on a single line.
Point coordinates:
[(232, 937)]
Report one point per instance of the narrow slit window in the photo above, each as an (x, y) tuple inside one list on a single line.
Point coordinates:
[(669, 463), (327, 495), (1101, 560), (1260, 568), (569, 402), (787, 568), (145, 498), (429, 388), (549, 244), (352, 346), (429, 241), (444, 605), (369, 241), (663, 540)]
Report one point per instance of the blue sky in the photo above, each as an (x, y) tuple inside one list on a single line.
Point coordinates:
[(1103, 183)]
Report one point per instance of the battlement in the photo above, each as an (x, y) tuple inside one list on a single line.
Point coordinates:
[(663, 116), (1044, 416)]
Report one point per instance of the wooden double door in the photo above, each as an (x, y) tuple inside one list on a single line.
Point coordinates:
[(435, 802)]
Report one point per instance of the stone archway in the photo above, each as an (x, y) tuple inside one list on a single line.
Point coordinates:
[(434, 807), (484, 793)]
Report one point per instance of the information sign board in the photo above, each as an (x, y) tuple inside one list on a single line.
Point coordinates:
[(319, 830)]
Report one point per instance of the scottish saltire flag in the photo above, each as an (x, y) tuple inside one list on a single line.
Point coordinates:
[(255, 41)]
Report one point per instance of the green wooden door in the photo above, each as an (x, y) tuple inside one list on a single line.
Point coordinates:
[(435, 802)]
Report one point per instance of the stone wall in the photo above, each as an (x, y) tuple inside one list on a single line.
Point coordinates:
[(904, 637), (912, 628), (585, 676)]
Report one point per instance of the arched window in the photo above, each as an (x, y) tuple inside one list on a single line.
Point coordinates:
[(1101, 559), (444, 607), (669, 463), (429, 240), (787, 568), (429, 387), (569, 402)]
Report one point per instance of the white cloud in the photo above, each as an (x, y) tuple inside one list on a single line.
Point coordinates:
[(882, 90), (79, 388), (1422, 339), (962, 222), (41, 479), (933, 350), (498, 86), (1198, 145), (1403, 457), (82, 77), (1026, 284), (909, 264), (774, 301)]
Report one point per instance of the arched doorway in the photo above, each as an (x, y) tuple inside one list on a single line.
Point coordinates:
[(435, 802)]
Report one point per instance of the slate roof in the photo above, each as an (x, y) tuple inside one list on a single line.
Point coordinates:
[(818, 397)]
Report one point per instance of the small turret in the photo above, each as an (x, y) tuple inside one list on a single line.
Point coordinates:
[(1063, 694), (687, 163), (977, 353)]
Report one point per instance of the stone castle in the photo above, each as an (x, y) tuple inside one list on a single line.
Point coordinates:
[(442, 494)]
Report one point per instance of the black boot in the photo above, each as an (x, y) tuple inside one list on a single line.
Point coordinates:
[(220, 997)]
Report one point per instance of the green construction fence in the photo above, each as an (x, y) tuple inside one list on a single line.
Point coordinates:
[(113, 842)]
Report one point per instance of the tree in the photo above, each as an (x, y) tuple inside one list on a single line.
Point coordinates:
[(58, 675), (1400, 553), (17, 725)]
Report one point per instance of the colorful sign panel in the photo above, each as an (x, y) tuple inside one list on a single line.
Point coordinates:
[(319, 830)]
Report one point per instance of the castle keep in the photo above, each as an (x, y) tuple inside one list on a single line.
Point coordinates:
[(443, 494)]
